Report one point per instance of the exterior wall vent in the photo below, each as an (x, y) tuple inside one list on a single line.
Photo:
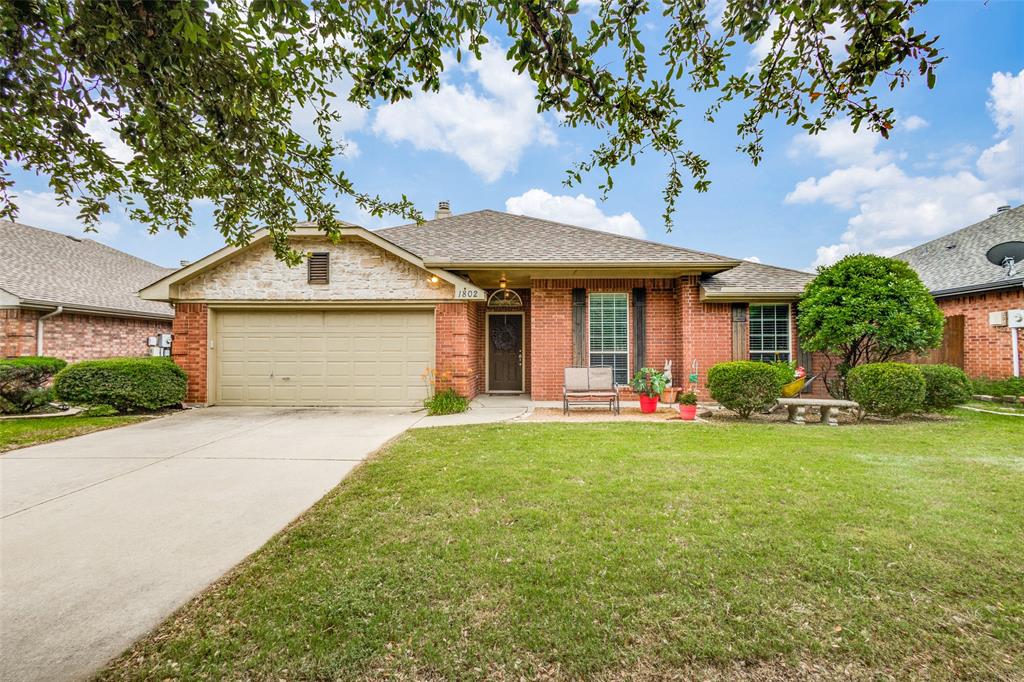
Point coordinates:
[(319, 268)]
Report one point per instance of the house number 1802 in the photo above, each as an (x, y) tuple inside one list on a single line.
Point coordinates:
[(468, 293)]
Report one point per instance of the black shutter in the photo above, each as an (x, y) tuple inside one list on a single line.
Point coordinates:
[(319, 268), (579, 312), (639, 327)]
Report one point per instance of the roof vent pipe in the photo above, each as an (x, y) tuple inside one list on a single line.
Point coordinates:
[(1002, 209), (184, 263), (443, 210)]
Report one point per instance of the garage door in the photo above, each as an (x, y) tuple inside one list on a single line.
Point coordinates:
[(342, 358)]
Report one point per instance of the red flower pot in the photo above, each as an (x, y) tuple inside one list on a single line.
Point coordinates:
[(648, 403), (688, 412)]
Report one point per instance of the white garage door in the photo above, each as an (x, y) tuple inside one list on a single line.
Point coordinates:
[(341, 358)]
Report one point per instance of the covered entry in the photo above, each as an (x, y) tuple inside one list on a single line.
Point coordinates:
[(347, 358)]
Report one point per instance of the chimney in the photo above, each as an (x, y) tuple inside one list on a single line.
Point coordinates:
[(184, 262), (443, 211), (1002, 209)]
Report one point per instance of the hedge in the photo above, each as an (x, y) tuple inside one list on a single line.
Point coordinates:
[(945, 386), (126, 384), (888, 389), (1008, 386), (744, 386), (23, 382)]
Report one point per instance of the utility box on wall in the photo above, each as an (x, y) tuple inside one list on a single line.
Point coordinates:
[(1015, 319), (997, 318)]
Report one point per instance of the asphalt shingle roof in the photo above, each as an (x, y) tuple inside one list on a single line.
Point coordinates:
[(44, 266), (756, 278), (957, 260), (483, 237)]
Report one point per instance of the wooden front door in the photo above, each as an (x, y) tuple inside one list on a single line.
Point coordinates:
[(505, 352)]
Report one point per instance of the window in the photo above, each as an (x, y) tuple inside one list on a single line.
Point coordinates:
[(319, 268), (769, 333), (609, 334)]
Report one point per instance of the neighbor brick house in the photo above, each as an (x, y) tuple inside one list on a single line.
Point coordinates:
[(74, 298), (968, 288), (493, 302)]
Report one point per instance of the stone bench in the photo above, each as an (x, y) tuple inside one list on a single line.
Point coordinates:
[(797, 406)]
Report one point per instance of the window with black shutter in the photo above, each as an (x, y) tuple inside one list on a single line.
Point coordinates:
[(319, 268)]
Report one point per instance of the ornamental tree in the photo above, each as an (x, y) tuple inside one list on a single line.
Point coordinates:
[(200, 95), (867, 309)]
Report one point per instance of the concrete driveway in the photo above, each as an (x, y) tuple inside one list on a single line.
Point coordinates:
[(105, 535)]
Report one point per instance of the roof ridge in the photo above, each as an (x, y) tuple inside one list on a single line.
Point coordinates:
[(568, 225)]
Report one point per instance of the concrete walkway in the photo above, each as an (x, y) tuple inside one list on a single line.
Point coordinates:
[(484, 409), (104, 535)]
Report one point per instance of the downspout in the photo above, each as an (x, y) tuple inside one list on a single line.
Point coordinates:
[(39, 328)]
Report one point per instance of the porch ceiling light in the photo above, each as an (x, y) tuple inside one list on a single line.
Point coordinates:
[(503, 282), (434, 279)]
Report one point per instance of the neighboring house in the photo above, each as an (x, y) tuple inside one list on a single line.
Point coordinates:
[(74, 298), (494, 302), (968, 288)]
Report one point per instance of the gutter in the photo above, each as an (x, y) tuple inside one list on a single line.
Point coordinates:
[(979, 288), (95, 310), (39, 328)]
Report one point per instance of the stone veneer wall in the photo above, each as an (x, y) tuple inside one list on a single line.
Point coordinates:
[(75, 337), (358, 271)]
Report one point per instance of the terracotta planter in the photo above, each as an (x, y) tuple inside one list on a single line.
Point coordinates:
[(648, 404), (668, 396), (688, 412)]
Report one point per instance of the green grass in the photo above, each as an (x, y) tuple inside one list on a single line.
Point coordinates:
[(1005, 408), (19, 433), (568, 551)]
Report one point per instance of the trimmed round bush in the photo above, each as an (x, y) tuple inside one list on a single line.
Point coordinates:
[(126, 384), (744, 386), (945, 386), (888, 389)]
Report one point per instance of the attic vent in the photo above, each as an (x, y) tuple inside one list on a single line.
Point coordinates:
[(319, 268)]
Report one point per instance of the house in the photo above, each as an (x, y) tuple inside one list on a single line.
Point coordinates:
[(969, 289), (74, 298), (494, 302)]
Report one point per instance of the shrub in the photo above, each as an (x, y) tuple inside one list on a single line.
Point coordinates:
[(446, 401), (98, 411), (1008, 386), (744, 386), (126, 384), (888, 389), (23, 382), (945, 386)]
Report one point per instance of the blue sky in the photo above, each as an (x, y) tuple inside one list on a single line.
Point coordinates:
[(957, 154)]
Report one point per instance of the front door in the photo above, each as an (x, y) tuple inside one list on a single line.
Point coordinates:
[(505, 352)]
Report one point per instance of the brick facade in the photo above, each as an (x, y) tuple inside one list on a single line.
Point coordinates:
[(459, 347), (189, 348), (988, 350), (76, 337)]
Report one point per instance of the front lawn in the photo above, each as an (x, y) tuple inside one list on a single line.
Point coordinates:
[(567, 551), (19, 433)]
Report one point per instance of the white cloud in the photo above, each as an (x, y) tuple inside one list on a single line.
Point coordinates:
[(487, 125), (763, 46), (578, 210), (40, 209), (912, 123), (353, 117), (840, 145), (101, 130), (895, 209), (752, 259)]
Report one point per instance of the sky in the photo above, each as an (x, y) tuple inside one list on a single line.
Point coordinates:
[(957, 153)]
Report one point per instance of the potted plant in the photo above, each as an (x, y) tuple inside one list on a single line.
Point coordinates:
[(648, 384), (668, 396), (688, 406)]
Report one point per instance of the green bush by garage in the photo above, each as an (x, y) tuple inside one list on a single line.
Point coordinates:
[(126, 384), (887, 389), (745, 386), (945, 386)]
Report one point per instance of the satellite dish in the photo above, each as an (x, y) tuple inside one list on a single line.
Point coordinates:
[(1006, 255)]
